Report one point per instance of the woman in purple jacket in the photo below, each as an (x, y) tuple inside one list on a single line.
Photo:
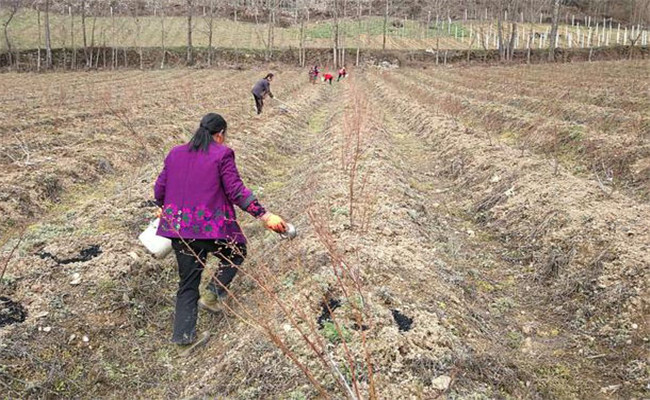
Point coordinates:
[(197, 190)]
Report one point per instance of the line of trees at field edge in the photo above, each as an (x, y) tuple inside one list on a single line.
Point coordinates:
[(269, 14)]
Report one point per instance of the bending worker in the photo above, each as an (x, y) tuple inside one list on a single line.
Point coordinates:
[(197, 190), (342, 73), (260, 90)]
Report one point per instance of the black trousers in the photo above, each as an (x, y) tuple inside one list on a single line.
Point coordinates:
[(259, 103), (191, 258)]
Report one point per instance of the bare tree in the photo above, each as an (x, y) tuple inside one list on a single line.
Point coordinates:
[(553, 43), (358, 33), (38, 54), (302, 55), (92, 44), (272, 5), (513, 37), (113, 41), (48, 40), (502, 50), (335, 33), (83, 31), (210, 26), (73, 63), (190, 49), (135, 12), (163, 33), (13, 9), (383, 45)]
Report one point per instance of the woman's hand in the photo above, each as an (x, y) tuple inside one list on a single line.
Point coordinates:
[(158, 212), (274, 222)]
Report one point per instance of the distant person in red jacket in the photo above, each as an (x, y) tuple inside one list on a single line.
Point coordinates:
[(342, 74), (328, 77)]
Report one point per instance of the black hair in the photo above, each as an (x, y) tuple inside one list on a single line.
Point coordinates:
[(269, 75), (210, 124)]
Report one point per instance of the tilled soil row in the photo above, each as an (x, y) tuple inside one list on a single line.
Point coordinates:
[(575, 257), (119, 298), (115, 130), (586, 82), (291, 177), (592, 101), (586, 138), (410, 343)]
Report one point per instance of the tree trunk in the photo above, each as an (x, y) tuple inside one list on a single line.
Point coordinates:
[(359, 33), (92, 44), (38, 54), (138, 32), (73, 64), (336, 34), (48, 40), (511, 45), (190, 49), (267, 55), (113, 42), (272, 38), (556, 17), (383, 46), (83, 28), (211, 31), (301, 57), (13, 11), (162, 36), (502, 51)]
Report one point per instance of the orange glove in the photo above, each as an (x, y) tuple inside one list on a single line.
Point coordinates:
[(274, 222)]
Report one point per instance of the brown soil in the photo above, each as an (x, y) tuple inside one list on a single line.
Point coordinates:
[(475, 257)]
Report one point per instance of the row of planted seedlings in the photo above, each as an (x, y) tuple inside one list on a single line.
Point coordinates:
[(306, 293), (559, 105), (467, 282), (582, 148), (113, 225), (538, 217)]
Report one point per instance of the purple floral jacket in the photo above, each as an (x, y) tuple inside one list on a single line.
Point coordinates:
[(197, 191)]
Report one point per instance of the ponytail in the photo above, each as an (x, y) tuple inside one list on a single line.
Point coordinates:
[(201, 140), (210, 124)]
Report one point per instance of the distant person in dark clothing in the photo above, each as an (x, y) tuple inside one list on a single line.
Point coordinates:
[(260, 90), (342, 73), (328, 77), (313, 74)]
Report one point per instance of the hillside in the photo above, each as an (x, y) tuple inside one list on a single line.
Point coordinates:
[(402, 33)]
